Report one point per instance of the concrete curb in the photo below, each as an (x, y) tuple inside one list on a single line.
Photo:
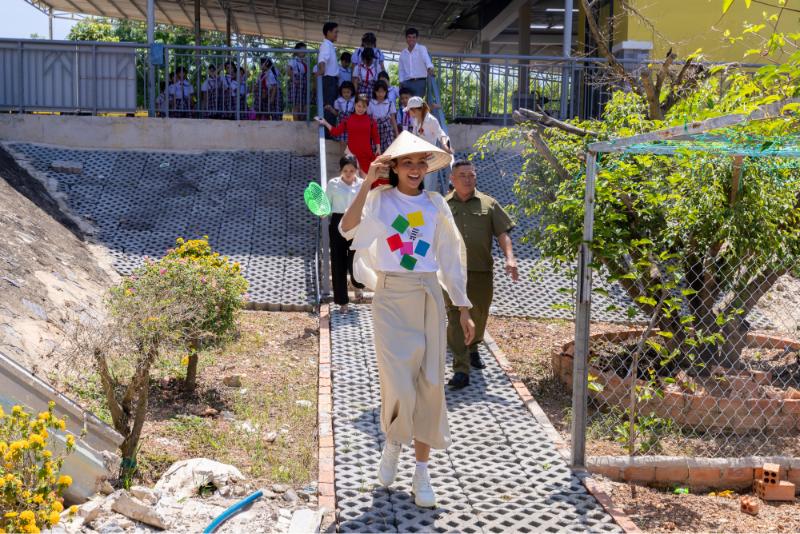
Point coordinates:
[(561, 446), (327, 493)]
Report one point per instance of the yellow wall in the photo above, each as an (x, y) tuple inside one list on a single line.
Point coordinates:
[(686, 25)]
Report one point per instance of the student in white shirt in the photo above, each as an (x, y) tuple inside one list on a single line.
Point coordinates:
[(425, 125), (340, 192), (393, 92), (180, 95), (407, 248), (328, 68), (384, 112), (415, 65), (368, 40), (345, 68), (269, 101), (297, 74), (365, 74), (213, 90)]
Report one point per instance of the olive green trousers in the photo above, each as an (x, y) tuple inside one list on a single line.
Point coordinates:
[(480, 288)]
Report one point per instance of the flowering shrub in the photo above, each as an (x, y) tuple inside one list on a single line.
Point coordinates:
[(31, 487), (192, 276)]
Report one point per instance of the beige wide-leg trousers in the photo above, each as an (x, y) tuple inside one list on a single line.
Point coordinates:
[(409, 318)]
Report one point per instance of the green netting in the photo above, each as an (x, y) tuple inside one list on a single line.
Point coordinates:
[(316, 200)]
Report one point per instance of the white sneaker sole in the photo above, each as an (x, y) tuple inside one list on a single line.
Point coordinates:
[(423, 503)]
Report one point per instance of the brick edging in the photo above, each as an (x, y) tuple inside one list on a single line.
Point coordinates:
[(561, 446), (327, 494)]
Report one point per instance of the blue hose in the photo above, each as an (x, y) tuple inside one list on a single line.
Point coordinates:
[(224, 516)]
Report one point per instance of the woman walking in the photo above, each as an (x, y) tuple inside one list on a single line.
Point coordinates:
[(406, 244)]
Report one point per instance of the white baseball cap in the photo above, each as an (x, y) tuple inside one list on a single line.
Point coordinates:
[(413, 102)]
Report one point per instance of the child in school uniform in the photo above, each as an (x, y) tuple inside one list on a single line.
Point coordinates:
[(238, 88), (229, 78), (297, 73), (162, 100), (393, 92), (368, 40), (404, 120), (343, 107), (180, 95), (269, 97), (362, 134), (340, 192), (213, 90), (427, 127), (345, 68), (384, 112), (365, 74)]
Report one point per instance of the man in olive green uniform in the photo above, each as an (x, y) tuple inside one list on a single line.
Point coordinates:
[(480, 218)]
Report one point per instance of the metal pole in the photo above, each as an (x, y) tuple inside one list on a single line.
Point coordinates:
[(580, 371), (50, 23), (566, 52), (151, 69), (325, 283)]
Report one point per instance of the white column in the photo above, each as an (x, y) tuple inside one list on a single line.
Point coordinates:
[(566, 52)]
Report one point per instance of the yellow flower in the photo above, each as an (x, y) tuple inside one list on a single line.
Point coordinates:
[(27, 516), (185, 361), (16, 410), (70, 441), (11, 514), (54, 518), (64, 480), (36, 440), (62, 425), (2, 413), (47, 454), (43, 416), (38, 499), (73, 509), (18, 445), (57, 506)]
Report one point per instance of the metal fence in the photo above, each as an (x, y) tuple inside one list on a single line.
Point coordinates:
[(711, 367), (256, 83)]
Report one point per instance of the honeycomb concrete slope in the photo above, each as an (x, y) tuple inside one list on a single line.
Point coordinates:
[(250, 204), (501, 474)]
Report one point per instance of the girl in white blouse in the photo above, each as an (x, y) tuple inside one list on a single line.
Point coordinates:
[(340, 192), (407, 248)]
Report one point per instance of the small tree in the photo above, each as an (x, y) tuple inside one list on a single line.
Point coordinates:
[(177, 304)]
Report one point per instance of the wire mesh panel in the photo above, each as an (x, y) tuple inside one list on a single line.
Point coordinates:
[(708, 251)]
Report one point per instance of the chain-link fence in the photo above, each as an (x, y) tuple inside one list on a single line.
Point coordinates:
[(710, 362)]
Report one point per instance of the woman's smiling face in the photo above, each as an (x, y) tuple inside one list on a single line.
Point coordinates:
[(411, 170)]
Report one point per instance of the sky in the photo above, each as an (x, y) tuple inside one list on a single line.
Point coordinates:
[(25, 20)]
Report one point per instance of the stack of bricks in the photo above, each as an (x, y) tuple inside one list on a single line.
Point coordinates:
[(769, 486)]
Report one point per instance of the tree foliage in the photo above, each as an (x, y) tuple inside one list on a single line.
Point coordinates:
[(695, 238)]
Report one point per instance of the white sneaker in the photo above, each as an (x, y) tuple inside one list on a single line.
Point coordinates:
[(424, 497), (387, 470)]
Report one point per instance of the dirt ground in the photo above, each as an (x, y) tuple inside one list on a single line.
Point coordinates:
[(266, 426), (660, 510), (527, 344)]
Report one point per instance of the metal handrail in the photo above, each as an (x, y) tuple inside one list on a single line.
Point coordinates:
[(323, 273)]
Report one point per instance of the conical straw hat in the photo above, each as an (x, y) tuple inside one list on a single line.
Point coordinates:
[(408, 143)]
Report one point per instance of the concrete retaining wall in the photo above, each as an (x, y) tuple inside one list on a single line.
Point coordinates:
[(182, 134)]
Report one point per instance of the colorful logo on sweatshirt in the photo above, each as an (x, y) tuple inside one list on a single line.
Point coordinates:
[(406, 241)]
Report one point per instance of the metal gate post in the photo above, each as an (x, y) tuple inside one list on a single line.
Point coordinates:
[(580, 374)]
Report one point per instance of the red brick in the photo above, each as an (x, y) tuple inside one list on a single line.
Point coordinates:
[(702, 411), (326, 476), (750, 505), (737, 477), (701, 477), (783, 491), (327, 501), (612, 472), (771, 473), (639, 473), (672, 474)]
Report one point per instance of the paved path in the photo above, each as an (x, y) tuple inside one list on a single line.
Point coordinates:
[(501, 474)]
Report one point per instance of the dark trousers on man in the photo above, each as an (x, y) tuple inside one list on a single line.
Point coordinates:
[(417, 86), (330, 92), (341, 261), (480, 289)]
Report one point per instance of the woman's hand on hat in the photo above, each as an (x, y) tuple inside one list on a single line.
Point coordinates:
[(379, 167)]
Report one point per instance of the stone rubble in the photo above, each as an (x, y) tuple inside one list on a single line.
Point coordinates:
[(175, 506)]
